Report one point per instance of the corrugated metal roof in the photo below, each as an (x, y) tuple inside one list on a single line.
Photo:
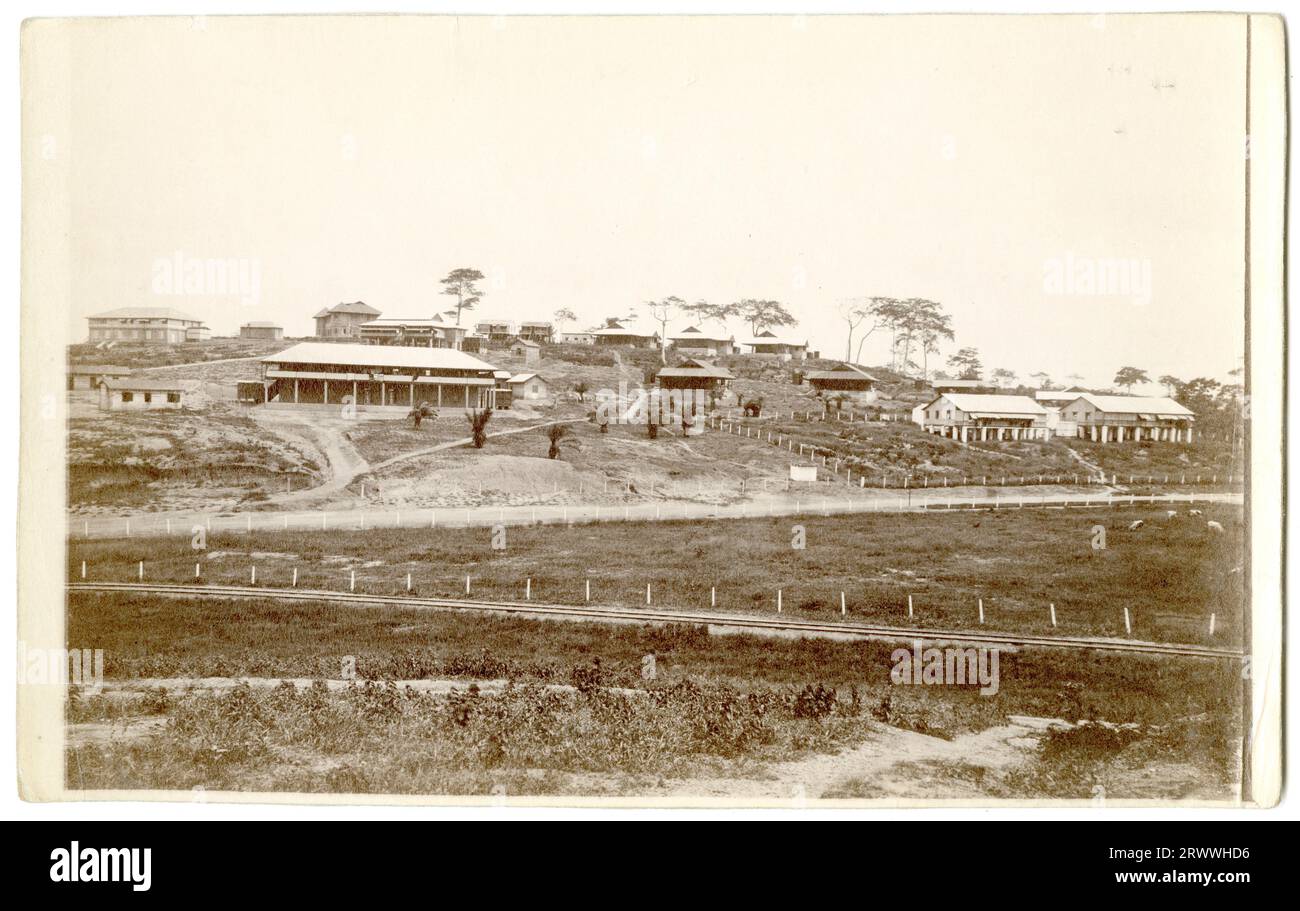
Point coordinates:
[(842, 372), (1136, 404), (98, 370), (145, 313), (774, 340), (994, 405), (379, 356), (692, 366), (144, 384), (695, 334), (625, 330), (524, 377), (353, 307)]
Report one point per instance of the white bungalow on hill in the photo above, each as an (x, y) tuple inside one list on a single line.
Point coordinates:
[(971, 417), (767, 342), (626, 334), (1117, 418), (697, 341)]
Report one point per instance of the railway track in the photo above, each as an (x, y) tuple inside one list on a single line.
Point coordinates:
[(648, 615)]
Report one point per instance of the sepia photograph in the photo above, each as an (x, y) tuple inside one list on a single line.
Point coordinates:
[(786, 411)]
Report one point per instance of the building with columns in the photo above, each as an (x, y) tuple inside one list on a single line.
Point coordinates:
[(376, 378), (973, 418), (1129, 418)]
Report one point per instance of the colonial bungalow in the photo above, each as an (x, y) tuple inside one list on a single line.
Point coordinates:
[(578, 338), (975, 385), (767, 342), (973, 417), (529, 350), (527, 386), (625, 335), (498, 331), (261, 330), (135, 393), (146, 324), (419, 333), (693, 373), (343, 320), (90, 376), (693, 340), (1116, 418), (376, 378), (843, 379), (541, 332)]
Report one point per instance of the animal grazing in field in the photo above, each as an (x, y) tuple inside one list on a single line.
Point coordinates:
[(1193, 512), (1171, 513), (1135, 525), (1214, 527)]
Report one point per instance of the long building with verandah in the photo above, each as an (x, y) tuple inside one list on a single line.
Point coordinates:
[(376, 378), (1120, 418), (977, 418)]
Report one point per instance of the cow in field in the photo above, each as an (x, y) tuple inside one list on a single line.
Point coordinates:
[(1214, 527), (1135, 525)]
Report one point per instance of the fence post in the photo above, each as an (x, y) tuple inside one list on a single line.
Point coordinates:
[(981, 610), (408, 582), (295, 577), (647, 593), (467, 583), (909, 607), (1128, 625), (713, 596), (843, 608), (1211, 624), (778, 600), (1052, 608), (528, 589), (83, 568), (352, 581), (141, 570)]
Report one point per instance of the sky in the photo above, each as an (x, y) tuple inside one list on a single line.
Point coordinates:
[(990, 164)]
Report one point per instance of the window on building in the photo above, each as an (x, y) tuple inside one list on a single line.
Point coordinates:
[(128, 396), (148, 397), (174, 397)]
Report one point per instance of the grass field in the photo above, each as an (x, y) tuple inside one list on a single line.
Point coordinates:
[(577, 717), (1170, 574)]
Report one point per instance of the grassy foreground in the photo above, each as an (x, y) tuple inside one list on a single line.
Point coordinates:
[(576, 715), (1171, 574)]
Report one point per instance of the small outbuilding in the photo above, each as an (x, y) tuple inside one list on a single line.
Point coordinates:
[(528, 349), (843, 379), (261, 330), (135, 393), (528, 386)]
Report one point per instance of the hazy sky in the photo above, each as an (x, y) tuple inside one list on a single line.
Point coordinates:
[(599, 163)]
